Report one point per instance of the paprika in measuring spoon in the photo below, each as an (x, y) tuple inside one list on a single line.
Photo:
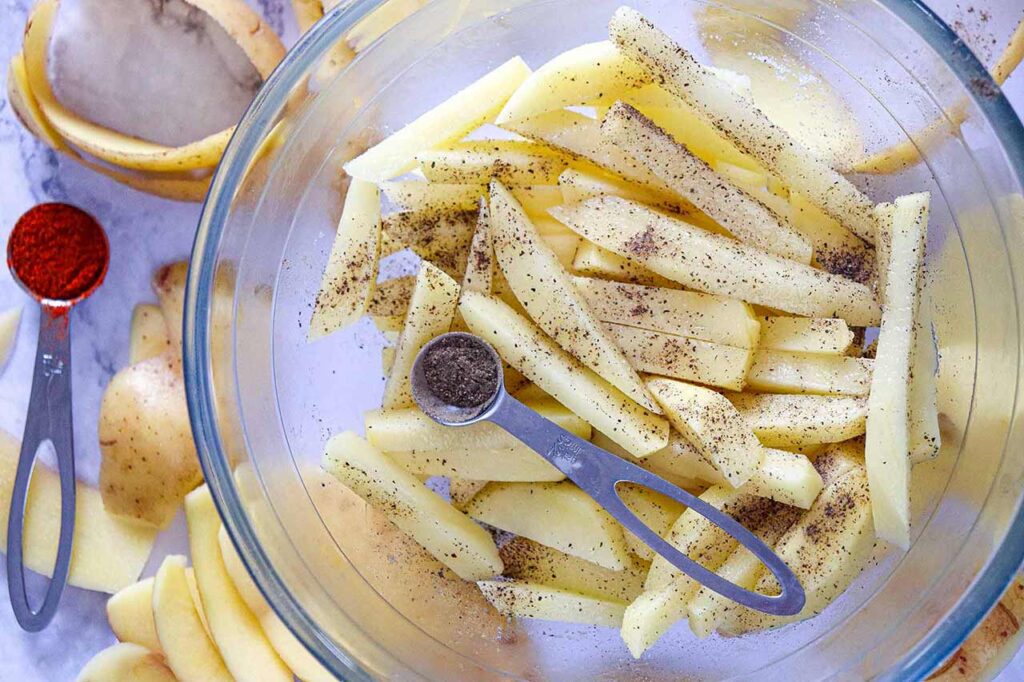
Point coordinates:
[(59, 255)]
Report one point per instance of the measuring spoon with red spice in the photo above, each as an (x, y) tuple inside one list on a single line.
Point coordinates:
[(59, 255)]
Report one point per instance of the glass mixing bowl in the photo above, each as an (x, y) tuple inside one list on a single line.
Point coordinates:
[(263, 400)]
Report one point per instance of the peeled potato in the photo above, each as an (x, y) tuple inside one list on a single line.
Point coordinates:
[(9, 320), (126, 663)]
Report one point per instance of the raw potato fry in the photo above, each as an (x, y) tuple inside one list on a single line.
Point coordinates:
[(189, 651), (742, 122), (715, 264), (480, 264), (578, 185), (348, 280), (239, 638), (450, 121), (126, 662), (744, 217), (806, 334), (130, 615), (148, 338), (836, 249), (887, 448), (513, 464), (593, 261), (431, 311), (684, 313), (9, 321), (680, 357), (532, 562), (568, 381), (426, 197), (391, 297), (441, 529), (789, 421), (537, 199), (657, 511), (776, 371), (440, 238), (462, 490), (923, 412), (709, 421), (558, 515), (511, 161), (547, 293), (574, 77), (563, 247), (528, 600)]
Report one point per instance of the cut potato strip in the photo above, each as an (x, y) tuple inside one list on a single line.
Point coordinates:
[(709, 421), (126, 663), (441, 529), (714, 264), (576, 76), (411, 430), (530, 600), (836, 249), (790, 421), (431, 311), (130, 615), (108, 553), (776, 371), (547, 293), (887, 450), (480, 264), (148, 336), (684, 313), (511, 161), (566, 379), (348, 280), (426, 197), (650, 615), (743, 216), (239, 638), (537, 199), (743, 123), (563, 247), (512, 464), (658, 512), (579, 185), (532, 562), (557, 515), (391, 297), (806, 334), (680, 357), (592, 260), (462, 490), (923, 411), (441, 238), (464, 112)]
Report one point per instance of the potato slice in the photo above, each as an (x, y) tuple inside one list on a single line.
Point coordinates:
[(579, 185), (512, 464), (715, 264), (566, 379), (130, 615), (573, 77), (514, 162), (444, 531), (480, 264), (351, 272), (462, 490), (788, 421), (411, 430), (547, 293), (529, 600), (449, 121), (9, 322), (126, 663), (189, 651), (235, 630), (391, 297), (426, 197), (557, 515), (836, 249), (743, 216), (532, 562), (657, 511), (887, 449), (806, 334), (537, 199), (593, 261), (441, 238), (684, 313), (923, 412), (709, 421), (680, 357), (148, 337), (777, 371), (431, 312), (741, 122)]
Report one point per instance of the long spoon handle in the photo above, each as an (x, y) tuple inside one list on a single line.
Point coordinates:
[(598, 472), (49, 419)]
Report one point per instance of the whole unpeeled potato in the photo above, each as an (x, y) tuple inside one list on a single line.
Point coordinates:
[(149, 461)]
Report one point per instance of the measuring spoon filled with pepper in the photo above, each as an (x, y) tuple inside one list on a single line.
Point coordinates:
[(59, 255), (457, 381)]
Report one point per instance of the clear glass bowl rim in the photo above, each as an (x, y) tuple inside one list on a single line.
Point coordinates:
[(977, 600)]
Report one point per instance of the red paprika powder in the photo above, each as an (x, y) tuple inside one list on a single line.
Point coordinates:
[(58, 252)]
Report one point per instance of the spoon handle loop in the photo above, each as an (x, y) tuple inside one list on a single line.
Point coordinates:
[(598, 472), (49, 419)]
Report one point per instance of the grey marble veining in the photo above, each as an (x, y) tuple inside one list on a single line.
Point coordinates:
[(145, 232)]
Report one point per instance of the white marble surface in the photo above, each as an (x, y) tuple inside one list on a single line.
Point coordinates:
[(146, 232)]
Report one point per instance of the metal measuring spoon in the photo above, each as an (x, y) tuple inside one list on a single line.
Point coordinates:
[(48, 419), (598, 472)]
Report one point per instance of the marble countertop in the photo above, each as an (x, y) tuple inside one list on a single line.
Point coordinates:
[(146, 232)]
